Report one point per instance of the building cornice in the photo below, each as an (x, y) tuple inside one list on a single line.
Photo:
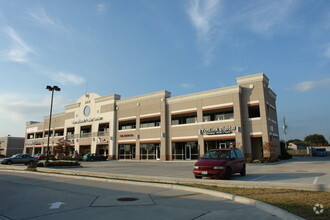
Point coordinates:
[(112, 97), (72, 106), (161, 94), (205, 94), (253, 78)]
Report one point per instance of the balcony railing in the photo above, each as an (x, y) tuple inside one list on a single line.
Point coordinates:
[(70, 136), (103, 133), (85, 135)]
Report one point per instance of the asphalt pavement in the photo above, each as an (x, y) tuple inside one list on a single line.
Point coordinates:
[(25, 195)]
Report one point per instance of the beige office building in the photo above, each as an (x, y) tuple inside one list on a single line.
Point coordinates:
[(157, 126)]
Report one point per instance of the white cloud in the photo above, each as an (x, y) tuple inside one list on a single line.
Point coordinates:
[(18, 108), (22, 106), (39, 16), (310, 85), (238, 69), (203, 16), (263, 16), (187, 85), (101, 8), (68, 78), (326, 52), (19, 50)]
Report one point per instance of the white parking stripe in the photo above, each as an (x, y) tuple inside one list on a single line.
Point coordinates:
[(315, 180), (258, 178)]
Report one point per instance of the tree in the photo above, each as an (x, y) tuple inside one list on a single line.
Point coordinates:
[(62, 148), (316, 140), (295, 141)]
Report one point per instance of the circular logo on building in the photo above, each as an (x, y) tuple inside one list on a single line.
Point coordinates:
[(318, 209), (87, 110)]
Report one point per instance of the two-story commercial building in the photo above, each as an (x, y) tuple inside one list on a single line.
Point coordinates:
[(157, 126)]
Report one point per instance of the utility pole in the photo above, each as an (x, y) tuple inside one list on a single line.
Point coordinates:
[(285, 127)]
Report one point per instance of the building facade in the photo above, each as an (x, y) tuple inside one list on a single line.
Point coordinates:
[(157, 126), (11, 145)]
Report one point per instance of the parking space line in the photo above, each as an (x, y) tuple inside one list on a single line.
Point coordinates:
[(315, 180), (258, 178)]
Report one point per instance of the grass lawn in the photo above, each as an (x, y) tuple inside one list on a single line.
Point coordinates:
[(298, 202)]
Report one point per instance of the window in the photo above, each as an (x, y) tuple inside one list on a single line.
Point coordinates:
[(103, 129), (254, 111), (232, 155), (150, 122), (127, 125), (239, 153), (184, 119), (218, 115)]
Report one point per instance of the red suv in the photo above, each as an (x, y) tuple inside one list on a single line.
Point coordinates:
[(220, 163)]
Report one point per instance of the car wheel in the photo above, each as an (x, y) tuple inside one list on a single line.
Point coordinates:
[(198, 177), (228, 174), (243, 171), (9, 162), (31, 162)]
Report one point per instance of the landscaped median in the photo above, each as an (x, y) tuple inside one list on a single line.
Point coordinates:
[(298, 202)]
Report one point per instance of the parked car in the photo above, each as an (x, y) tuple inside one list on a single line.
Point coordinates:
[(320, 152), (93, 157), (20, 159), (220, 163)]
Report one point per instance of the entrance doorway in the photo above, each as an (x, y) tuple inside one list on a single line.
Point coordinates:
[(158, 152), (127, 151), (188, 152)]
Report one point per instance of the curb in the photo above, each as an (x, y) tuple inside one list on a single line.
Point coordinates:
[(283, 214)]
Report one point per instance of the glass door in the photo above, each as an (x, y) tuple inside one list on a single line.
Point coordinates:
[(188, 152), (223, 146), (157, 152)]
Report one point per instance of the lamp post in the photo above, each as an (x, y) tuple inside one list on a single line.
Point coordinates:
[(52, 89)]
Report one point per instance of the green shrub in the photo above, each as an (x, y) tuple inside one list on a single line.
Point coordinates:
[(32, 167), (249, 160), (40, 164), (62, 163)]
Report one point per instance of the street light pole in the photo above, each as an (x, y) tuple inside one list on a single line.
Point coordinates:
[(52, 89)]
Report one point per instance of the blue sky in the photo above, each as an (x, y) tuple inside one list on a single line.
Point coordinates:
[(136, 47)]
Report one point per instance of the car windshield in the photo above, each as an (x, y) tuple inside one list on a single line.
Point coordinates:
[(216, 154), (14, 156)]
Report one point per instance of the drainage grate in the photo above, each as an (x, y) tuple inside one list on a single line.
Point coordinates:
[(127, 199)]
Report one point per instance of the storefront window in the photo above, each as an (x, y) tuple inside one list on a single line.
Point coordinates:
[(127, 151), (185, 150), (149, 151)]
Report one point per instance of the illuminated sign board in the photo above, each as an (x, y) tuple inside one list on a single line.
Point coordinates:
[(219, 130)]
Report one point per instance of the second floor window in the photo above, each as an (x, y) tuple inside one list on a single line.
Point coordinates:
[(184, 119)]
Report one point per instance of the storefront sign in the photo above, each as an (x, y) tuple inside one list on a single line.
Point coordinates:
[(87, 120), (127, 135), (32, 130), (100, 140), (220, 130)]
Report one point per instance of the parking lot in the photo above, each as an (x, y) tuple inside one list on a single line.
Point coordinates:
[(299, 170), (304, 170)]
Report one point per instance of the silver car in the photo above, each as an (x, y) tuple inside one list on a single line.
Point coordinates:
[(19, 159)]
